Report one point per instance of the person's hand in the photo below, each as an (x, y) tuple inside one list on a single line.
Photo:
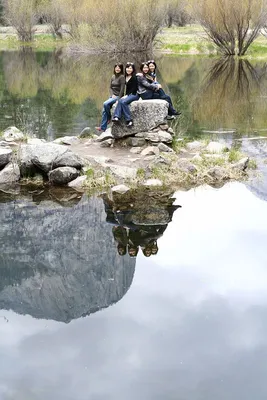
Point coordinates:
[(159, 86), (113, 96)]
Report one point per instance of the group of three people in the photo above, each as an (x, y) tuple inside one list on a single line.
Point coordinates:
[(129, 87)]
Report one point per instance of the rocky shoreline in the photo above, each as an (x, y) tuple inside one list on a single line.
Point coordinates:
[(150, 156)]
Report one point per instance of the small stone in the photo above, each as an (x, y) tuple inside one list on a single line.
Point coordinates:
[(12, 133), (160, 136), (5, 156), (85, 133), (216, 147), (107, 143), (150, 150), (171, 131), (149, 158), (89, 142), (241, 165), (121, 189), (193, 146), (164, 127), (214, 156), (164, 148), (136, 142), (197, 157), (182, 150), (68, 140), (218, 173), (104, 136), (78, 182), (136, 150), (10, 174), (153, 182), (185, 165), (139, 135), (159, 160), (62, 175)]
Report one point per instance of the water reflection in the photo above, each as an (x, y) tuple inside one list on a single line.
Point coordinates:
[(231, 96), (139, 221), (59, 262)]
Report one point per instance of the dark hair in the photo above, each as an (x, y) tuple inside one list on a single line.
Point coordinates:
[(121, 67), (142, 66), (147, 251), (152, 62), (121, 249), (132, 249), (130, 64)]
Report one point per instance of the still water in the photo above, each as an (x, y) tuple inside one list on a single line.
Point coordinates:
[(79, 321), (81, 317)]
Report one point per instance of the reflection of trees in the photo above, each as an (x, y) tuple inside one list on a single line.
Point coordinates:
[(230, 96)]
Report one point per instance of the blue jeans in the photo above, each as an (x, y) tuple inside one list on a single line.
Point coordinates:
[(159, 94), (106, 115), (123, 107)]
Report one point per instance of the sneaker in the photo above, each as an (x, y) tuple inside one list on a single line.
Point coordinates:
[(170, 117), (115, 119), (176, 113), (129, 124)]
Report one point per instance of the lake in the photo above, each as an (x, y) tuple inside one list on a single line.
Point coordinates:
[(80, 316)]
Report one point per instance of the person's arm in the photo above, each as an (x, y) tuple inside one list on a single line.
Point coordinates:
[(110, 87), (151, 86), (122, 82)]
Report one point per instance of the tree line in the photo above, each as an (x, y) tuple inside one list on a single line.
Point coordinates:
[(132, 25)]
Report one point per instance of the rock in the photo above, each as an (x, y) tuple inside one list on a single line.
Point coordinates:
[(35, 141), (153, 182), (216, 147), (107, 143), (136, 150), (136, 142), (62, 175), (46, 156), (182, 150), (214, 156), (164, 148), (147, 114), (160, 136), (171, 131), (97, 161), (149, 151), (89, 142), (5, 156), (197, 157), (12, 133), (4, 144), (185, 165), (193, 146), (78, 182), (68, 140), (104, 136), (241, 165), (160, 160), (123, 172), (164, 127), (121, 189), (149, 158), (85, 133), (10, 173), (218, 173), (139, 135)]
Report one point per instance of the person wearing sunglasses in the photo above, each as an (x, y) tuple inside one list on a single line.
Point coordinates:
[(122, 108), (117, 85)]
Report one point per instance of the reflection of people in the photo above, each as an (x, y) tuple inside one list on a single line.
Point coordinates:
[(132, 250), (121, 249), (117, 85)]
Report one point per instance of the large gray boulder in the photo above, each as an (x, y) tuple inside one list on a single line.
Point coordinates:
[(46, 157), (146, 115), (9, 174), (12, 134), (62, 175), (5, 156)]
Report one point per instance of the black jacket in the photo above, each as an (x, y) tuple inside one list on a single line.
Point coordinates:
[(144, 85), (131, 85)]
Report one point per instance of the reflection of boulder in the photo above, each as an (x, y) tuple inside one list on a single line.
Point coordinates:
[(59, 263)]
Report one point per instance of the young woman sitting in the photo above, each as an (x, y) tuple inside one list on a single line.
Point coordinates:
[(149, 89), (117, 85), (122, 108)]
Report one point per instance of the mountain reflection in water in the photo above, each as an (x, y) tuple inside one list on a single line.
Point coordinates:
[(58, 257)]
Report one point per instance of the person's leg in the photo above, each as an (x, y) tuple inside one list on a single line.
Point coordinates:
[(160, 94), (106, 112), (147, 95), (118, 111), (125, 106)]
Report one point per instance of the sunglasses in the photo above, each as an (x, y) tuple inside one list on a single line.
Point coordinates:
[(129, 63), (151, 61)]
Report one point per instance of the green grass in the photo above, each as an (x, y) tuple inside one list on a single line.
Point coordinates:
[(41, 42)]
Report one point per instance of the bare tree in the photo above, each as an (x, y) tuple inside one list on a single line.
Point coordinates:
[(55, 15), (231, 25)]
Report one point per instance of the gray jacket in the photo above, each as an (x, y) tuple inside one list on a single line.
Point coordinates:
[(144, 85)]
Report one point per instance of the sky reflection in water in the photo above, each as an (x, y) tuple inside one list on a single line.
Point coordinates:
[(192, 325)]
